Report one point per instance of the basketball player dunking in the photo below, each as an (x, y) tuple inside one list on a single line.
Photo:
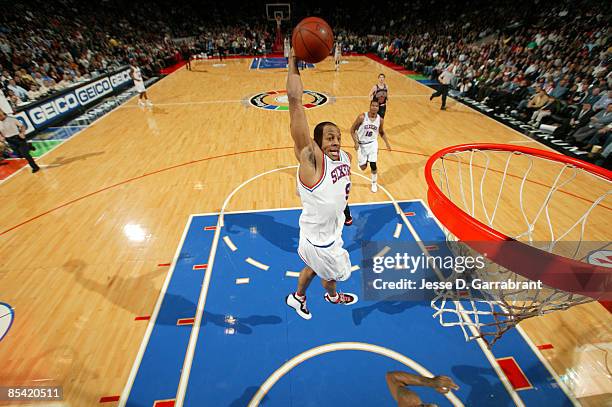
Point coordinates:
[(380, 92), (136, 76), (324, 182), (365, 131)]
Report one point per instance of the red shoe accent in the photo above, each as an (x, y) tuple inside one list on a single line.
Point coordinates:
[(342, 298)]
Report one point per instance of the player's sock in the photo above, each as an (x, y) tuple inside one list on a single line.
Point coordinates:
[(374, 177), (334, 299)]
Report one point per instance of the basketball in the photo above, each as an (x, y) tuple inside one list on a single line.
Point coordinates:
[(312, 40)]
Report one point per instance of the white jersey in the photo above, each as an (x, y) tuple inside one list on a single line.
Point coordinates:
[(322, 217), (367, 132), (4, 104), (338, 52), (137, 74)]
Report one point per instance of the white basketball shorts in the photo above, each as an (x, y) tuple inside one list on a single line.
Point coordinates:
[(367, 153), (140, 86), (330, 263)]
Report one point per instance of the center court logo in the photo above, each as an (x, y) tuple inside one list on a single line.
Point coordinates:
[(277, 100)]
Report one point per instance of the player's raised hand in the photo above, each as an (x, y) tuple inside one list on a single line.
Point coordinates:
[(443, 384)]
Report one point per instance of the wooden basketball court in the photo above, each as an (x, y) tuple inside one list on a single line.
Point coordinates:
[(85, 244)]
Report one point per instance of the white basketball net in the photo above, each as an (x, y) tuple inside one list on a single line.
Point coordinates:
[(533, 192)]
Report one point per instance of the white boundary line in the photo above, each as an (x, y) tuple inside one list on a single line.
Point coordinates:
[(202, 102), (221, 101), (547, 365), (186, 371), (332, 347), (145, 341)]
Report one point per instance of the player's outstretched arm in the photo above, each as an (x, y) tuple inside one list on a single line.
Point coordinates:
[(297, 116), (396, 380)]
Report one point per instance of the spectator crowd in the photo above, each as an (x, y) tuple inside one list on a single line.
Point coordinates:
[(47, 46), (544, 62)]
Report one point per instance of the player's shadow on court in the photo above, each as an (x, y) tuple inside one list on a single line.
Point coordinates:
[(240, 325), (247, 396), (368, 223), (114, 292), (391, 306), (67, 160), (281, 235), (484, 385)]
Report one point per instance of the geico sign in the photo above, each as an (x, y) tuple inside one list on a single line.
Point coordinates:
[(93, 91), (120, 78), (47, 111)]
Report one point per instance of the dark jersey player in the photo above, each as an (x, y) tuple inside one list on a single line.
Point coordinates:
[(380, 93)]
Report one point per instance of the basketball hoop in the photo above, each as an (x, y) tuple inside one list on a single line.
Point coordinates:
[(470, 185)]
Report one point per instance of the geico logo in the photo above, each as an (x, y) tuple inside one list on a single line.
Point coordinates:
[(47, 111), (120, 78), (93, 91)]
